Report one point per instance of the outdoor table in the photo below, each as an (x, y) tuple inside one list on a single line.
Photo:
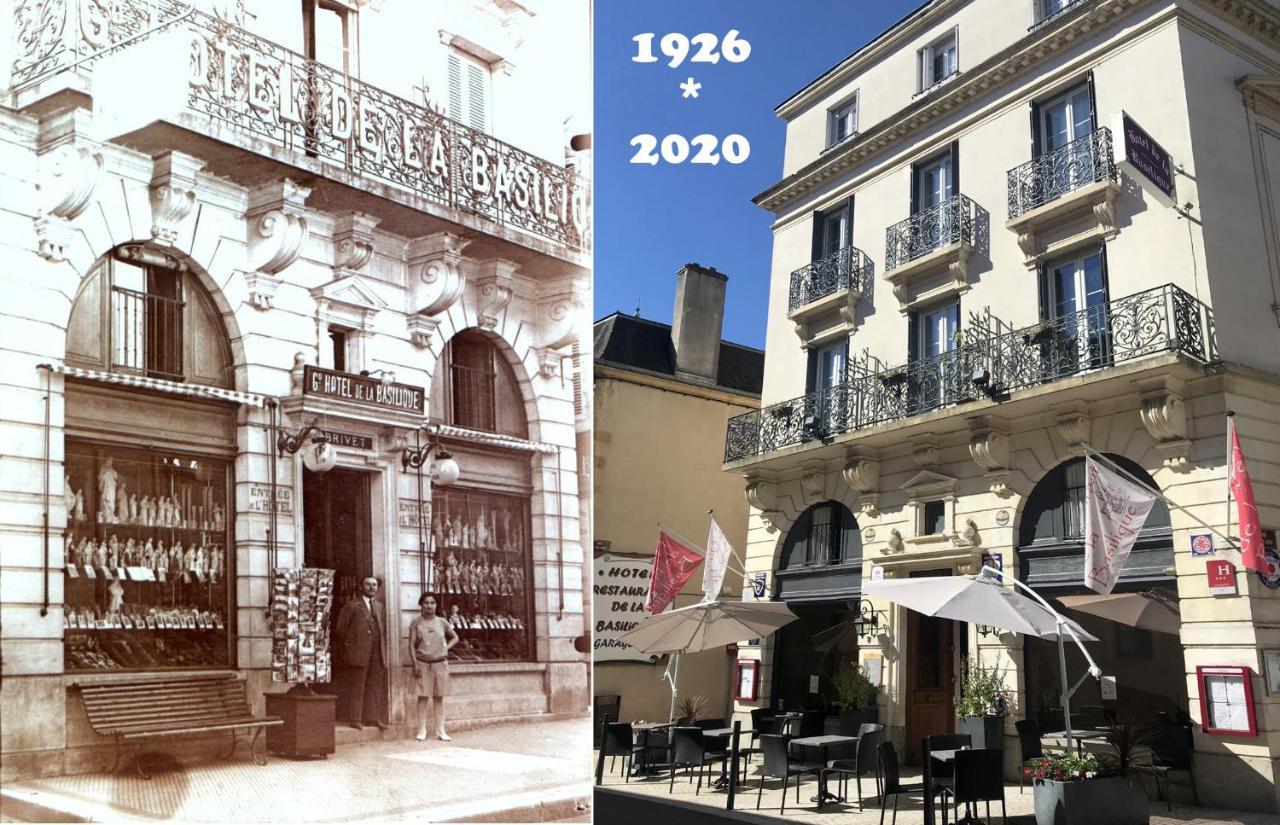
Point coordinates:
[(943, 755), (722, 781), (645, 765), (1078, 735), (822, 743)]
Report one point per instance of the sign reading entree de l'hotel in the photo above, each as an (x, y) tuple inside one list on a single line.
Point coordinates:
[(361, 390)]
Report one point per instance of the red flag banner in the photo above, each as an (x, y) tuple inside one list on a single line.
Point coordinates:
[(1251, 555), (673, 565)]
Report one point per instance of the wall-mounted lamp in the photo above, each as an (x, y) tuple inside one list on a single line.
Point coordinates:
[(318, 454), (985, 630), (387, 377), (867, 622)]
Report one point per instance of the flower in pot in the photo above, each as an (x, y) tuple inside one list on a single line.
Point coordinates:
[(856, 695), (690, 709), (1075, 789), (982, 704)]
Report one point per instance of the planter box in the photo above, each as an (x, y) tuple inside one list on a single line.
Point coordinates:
[(851, 720), (985, 731), (1109, 801)]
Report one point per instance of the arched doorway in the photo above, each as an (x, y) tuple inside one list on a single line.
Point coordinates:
[(1147, 666), (819, 576), (149, 454)]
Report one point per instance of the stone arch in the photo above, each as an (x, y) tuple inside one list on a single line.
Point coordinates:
[(843, 528), (523, 379)]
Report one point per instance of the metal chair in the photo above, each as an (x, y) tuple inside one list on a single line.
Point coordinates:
[(939, 774), (865, 761), (605, 705), (892, 779), (619, 740), (1171, 749), (812, 722), (761, 723), (778, 764), (977, 778), (688, 749), (1029, 748)]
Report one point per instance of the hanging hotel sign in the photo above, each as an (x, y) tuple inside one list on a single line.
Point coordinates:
[(618, 594), (370, 392), (1137, 150)]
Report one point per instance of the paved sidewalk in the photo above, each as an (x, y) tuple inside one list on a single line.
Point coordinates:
[(512, 773), (1020, 806)]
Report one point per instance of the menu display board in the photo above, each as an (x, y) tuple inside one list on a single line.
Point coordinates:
[(301, 600)]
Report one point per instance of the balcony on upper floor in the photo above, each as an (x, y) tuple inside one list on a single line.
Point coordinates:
[(988, 363), (178, 78), (935, 240), (825, 294), (1071, 181)]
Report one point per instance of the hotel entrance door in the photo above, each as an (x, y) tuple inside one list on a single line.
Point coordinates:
[(930, 676), (335, 516)]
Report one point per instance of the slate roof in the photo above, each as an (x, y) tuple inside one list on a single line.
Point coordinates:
[(629, 342)]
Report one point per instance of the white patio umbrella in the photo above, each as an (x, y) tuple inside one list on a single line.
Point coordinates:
[(981, 600), (704, 626), (1149, 611)]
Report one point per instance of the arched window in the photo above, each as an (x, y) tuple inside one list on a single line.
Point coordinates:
[(142, 310), (476, 388), (1054, 513), (825, 534)]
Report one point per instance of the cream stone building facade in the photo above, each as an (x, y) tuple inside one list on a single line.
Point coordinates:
[(265, 267), (662, 394), (1005, 232)]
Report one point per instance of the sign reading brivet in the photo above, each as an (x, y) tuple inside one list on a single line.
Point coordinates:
[(368, 391), (356, 442)]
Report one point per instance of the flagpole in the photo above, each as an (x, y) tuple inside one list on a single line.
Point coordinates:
[(1155, 492), (1231, 464), (666, 529)]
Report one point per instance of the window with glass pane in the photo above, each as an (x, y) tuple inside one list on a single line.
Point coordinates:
[(1079, 303), (148, 559), (938, 61), (472, 376), (146, 319), (481, 570), (935, 518), (934, 180), (326, 28), (844, 121)]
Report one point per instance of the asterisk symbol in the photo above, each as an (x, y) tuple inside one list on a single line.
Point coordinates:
[(690, 88)]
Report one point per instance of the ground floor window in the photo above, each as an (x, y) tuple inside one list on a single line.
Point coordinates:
[(810, 651), (1150, 677), (148, 559), (482, 569)]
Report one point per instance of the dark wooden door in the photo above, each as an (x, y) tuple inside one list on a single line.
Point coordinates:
[(930, 680)]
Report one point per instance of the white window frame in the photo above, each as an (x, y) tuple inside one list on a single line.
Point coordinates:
[(1044, 12), (925, 79), (461, 105), (1068, 96), (942, 161), (836, 114)]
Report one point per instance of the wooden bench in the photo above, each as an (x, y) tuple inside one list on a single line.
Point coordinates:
[(173, 706)]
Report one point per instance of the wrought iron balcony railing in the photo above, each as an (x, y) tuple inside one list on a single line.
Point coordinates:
[(846, 270), (947, 223), (279, 96), (1084, 161), (987, 360)]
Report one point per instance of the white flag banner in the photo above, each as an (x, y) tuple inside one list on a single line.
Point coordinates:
[(1114, 511), (715, 562)]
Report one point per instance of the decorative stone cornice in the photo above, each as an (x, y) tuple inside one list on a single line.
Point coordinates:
[(924, 451), (276, 226), (495, 281), (436, 275), (989, 449), (352, 243), (422, 330), (1164, 415), (559, 323), (762, 495), (173, 194)]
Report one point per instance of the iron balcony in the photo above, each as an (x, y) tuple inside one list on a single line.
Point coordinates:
[(846, 270), (1072, 166), (986, 362), (950, 222)]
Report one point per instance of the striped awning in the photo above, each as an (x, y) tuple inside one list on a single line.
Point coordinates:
[(159, 385), (509, 442)]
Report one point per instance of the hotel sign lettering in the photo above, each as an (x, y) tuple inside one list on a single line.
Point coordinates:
[(370, 392), (1138, 150), (351, 440)]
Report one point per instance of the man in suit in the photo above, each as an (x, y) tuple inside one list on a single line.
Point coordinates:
[(362, 646)]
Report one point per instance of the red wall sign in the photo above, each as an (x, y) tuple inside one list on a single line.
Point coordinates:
[(747, 680), (1226, 700), (1222, 577)]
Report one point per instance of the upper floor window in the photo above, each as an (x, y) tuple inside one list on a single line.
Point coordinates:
[(141, 311), (833, 230), (1055, 509), (843, 122), (826, 533), (1064, 118), (939, 60), (1048, 8), (470, 81), (934, 181), (476, 388), (328, 31)]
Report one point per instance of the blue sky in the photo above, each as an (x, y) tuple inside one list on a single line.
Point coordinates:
[(650, 220)]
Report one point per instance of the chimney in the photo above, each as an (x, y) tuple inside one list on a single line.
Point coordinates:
[(697, 321)]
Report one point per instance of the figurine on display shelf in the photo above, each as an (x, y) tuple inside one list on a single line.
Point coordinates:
[(99, 554), (175, 555), (451, 574), (83, 554), (219, 518), (201, 562), (116, 591), (468, 539), (113, 552), (122, 503), (69, 496), (482, 529), (108, 478), (145, 514), (188, 557), (130, 553), (456, 619), (133, 508), (455, 531), (215, 561), (177, 515), (483, 581)]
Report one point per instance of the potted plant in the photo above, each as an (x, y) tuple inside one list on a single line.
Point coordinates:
[(856, 695), (982, 704), (690, 709), (1074, 789)]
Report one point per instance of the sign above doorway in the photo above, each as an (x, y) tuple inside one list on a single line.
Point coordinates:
[(369, 392)]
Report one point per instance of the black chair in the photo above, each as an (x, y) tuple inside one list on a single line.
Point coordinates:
[(1029, 747), (892, 779), (609, 705), (761, 723), (866, 760), (978, 777), (778, 764), (813, 722), (619, 740), (939, 773), (688, 749), (710, 724), (1171, 749)]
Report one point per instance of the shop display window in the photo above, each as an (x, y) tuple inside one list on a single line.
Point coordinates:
[(147, 559), (481, 575)]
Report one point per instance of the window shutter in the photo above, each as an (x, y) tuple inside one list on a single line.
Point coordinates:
[(1093, 99), (913, 336), (922, 71), (955, 167), (1036, 142), (811, 371), (915, 188), (819, 226), (1046, 308), (477, 85), (848, 223), (455, 87), (851, 537), (955, 40), (1106, 276)]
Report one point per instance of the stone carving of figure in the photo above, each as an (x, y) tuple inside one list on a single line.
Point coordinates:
[(970, 534), (108, 478), (116, 590), (133, 509), (895, 541), (122, 503), (69, 496)]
